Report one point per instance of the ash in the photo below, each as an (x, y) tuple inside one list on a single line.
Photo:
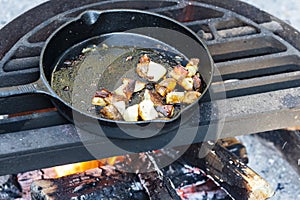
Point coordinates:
[(269, 162)]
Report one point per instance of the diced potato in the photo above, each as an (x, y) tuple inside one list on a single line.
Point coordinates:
[(120, 106), (98, 101), (120, 90), (169, 83), (139, 86), (111, 112), (149, 70), (187, 83), (155, 71), (179, 72), (147, 95), (190, 97), (142, 69), (126, 89), (174, 97), (131, 114), (192, 70), (161, 90), (192, 66), (147, 110)]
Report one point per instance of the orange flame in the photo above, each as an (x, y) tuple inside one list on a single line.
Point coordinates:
[(70, 169)]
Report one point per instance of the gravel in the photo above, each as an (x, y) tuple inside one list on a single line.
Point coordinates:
[(266, 160)]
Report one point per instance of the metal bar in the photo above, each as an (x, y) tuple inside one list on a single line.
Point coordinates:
[(237, 88), (32, 121), (62, 144)]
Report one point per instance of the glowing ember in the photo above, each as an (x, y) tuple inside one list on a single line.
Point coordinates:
[(70, 169), (75, 168)]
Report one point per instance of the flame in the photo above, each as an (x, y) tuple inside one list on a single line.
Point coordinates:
[(70, 169)]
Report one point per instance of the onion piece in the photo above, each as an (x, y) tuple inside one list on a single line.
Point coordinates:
[(166, 110), (197, 83), (179, 73)]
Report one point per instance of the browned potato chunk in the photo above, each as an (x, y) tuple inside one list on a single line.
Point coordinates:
[(187, 83), (190, 97), (169, 83), (126, 89), (110, 112), (98, 101), (147, 110), (179, 73), (149, 70), (174, 97), (192, 66), (163, 91)]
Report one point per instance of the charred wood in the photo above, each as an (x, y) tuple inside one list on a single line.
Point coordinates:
[(158, 186), (229, 172), (100, 183)]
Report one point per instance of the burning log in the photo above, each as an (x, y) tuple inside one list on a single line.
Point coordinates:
[(105, 183), (229, 172), (99, 183)]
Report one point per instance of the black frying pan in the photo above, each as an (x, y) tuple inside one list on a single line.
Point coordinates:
[(123, 28)]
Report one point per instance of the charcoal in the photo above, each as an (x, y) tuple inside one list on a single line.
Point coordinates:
[(182, 175), (192, 183), (158, 186)]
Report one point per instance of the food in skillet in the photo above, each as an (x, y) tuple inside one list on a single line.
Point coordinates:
[(158, 92)]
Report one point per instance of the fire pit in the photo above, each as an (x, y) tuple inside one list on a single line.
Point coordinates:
[(257, 56)]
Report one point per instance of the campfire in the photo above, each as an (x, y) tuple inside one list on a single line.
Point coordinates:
[(221, 174)]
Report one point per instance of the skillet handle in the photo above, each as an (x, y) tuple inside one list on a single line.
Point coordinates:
[(37, 87)]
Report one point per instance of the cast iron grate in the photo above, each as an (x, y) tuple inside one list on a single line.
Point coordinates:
[(253, 51)]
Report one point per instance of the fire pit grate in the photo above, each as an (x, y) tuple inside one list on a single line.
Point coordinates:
[(256, 54)]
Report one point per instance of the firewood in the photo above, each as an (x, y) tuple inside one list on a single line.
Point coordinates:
[(100, 183), (105, 183), (229, 172)]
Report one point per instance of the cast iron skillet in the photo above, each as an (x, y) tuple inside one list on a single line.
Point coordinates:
[(123, 27)]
